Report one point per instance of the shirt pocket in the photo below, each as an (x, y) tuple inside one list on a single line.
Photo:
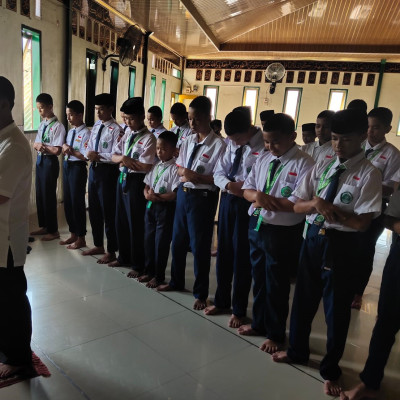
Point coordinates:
[(105, 143), (162, 187), (137, 151), (286, 188), (347, 196)]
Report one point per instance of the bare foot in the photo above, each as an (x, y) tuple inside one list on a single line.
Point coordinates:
[(115, 264), (358, 393), (107, 258), (133, 274), (165, 288), (269, 346), (70, 240), (281, 357), (212, 310), (93, 251), (7, 370), (40, 231), (332, 388), (152, 283), (357, 302), (247, 330), (50, 236), (235, 321), (78, 244), (199, 304), (144, 278)]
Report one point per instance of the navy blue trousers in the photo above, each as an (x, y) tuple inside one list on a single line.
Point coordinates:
[(388, 322), (326, 270), (47, 171), (273, 251), (15, 321), (193, 225), (74, 184), (102, 181), (367, 253), (159, 222), (129, 221), (233, 257)]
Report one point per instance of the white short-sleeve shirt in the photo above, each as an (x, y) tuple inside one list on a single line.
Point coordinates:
[(143, 150), (359, 190), (157, 131), (393, 209), (295, 166), (80, 143), (251, 151), (15, 183), (206, 158), (184, 132), (319, 152), (51, 132), (163, 177), (108, 139)]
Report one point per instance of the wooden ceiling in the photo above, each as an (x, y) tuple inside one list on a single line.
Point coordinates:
[(348, 30)]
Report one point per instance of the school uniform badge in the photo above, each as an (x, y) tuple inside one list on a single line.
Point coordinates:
[(162, 190), (105, 145), (346, 197), (286, 191), (135, 155), (200, 169)]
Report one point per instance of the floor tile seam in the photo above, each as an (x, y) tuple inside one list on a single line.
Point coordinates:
[(62, 372)]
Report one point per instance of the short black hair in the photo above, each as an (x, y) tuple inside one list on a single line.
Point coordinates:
[(283, 123), (383, 114), (44, 98), (179, 109), (237, 121), (156, 111), (104, 99), (327, 115), (216, 123), (310, 127), (76, 106), (201, 104), (7, 91), (133, 106), (358, 104), (170, 137), (350, 121)]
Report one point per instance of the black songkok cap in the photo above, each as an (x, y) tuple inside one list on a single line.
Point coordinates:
[(133, 106), (237, 121), (308, 127), (350, 121), (264, 115), (104, 99), (7, 91)]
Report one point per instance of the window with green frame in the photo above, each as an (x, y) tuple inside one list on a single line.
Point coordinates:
[(152, 90), (163, 89), (31, 60), (132, 80), (337, 99), (250, 99), (291, 104), (212, 93)]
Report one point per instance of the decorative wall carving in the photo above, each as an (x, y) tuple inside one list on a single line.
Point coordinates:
[(358, 79), (11, 5), (89, 30), (301, 77), (238, 76), (25, 8), (82, 24), (74, 22), (207, 75), (199, 75), (227, 76), (247, 76), (335, 78), (289, 77), (96, 33), (347, 78), (218, 75), (258, 76), (371, 80), (323, 78), (312, 77)]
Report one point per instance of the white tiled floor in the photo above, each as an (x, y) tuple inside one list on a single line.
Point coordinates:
[(104, 336)]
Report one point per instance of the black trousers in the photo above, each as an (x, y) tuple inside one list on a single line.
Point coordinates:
[(47, 170), (15, 321)]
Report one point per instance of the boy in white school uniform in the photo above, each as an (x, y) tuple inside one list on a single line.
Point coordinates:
[(181, 126), (48, 144), (136, 155), (386, 158), (197, 199), (103, 175), (75, 176), (275, 231), (162, 182), (245, 145), (321, 149), (340, 197), (154, 118)]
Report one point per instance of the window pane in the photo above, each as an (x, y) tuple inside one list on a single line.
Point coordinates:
[(212, 93), (163, 87), (337, 99), (292, 103), (152, 90), (250, 99), (132, 78)]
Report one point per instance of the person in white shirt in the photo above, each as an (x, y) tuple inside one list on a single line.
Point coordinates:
[(75, 176), (136, 154), (308, 133), (15, 189), (197, 200), (274, 229), (245, 145), (321, 149), (103, 176), (154, 118), (181, 126), (340, 197), (48, 144), (386, 158)]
